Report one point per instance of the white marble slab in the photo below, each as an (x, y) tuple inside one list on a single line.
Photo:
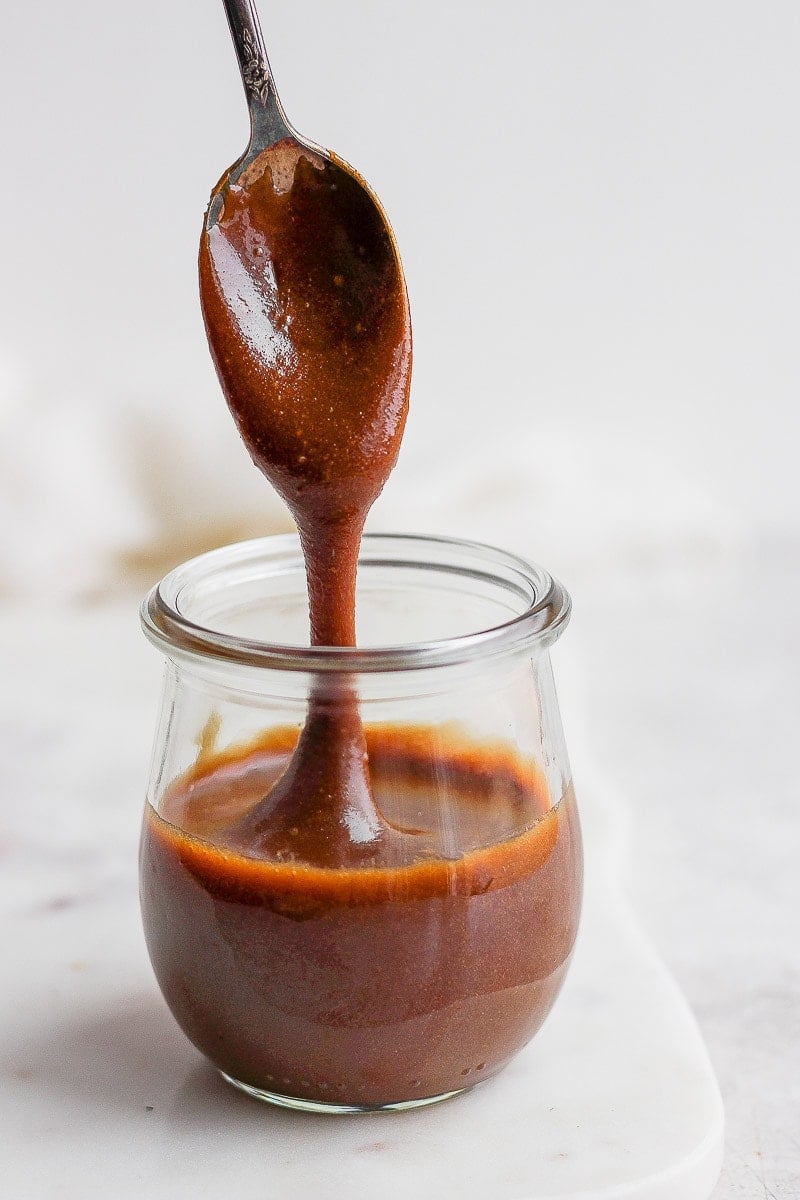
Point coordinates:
[(101, 1094)]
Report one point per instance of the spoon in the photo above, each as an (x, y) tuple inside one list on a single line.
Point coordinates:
[(307, 317)]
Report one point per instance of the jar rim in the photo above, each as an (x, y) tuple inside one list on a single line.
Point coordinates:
[(546, 613)]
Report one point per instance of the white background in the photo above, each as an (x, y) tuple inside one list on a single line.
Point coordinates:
[(597, 207)]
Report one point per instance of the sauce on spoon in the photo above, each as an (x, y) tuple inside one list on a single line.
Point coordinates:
[(307, 317)]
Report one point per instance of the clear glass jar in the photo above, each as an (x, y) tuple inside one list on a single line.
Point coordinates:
[(410, 979)]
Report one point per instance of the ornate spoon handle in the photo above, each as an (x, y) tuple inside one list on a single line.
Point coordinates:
[(268, 123)]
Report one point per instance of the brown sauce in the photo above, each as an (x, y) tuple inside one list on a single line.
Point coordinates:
[(342, 916), (307, 318), (365, 985)]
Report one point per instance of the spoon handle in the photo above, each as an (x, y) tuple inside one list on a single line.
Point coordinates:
[(268, 123)]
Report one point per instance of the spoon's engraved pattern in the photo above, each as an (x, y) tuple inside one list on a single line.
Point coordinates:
[(255, 71)]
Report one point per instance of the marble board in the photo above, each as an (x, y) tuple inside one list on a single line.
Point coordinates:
[(100, 1094)]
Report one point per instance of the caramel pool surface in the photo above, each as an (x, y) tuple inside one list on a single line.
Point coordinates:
[(371, 985)]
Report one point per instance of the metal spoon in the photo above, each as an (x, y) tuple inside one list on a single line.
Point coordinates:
[(268, 121), (307, 318)]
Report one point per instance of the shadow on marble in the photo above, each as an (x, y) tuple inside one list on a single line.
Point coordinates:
[(131, 1057)]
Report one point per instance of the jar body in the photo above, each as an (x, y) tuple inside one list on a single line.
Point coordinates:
[(418, 975)]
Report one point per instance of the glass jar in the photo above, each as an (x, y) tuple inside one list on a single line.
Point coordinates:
[(414, 977)]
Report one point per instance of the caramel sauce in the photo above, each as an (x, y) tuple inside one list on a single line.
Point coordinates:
[(307, 318), (344, 916), (365, 984)]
